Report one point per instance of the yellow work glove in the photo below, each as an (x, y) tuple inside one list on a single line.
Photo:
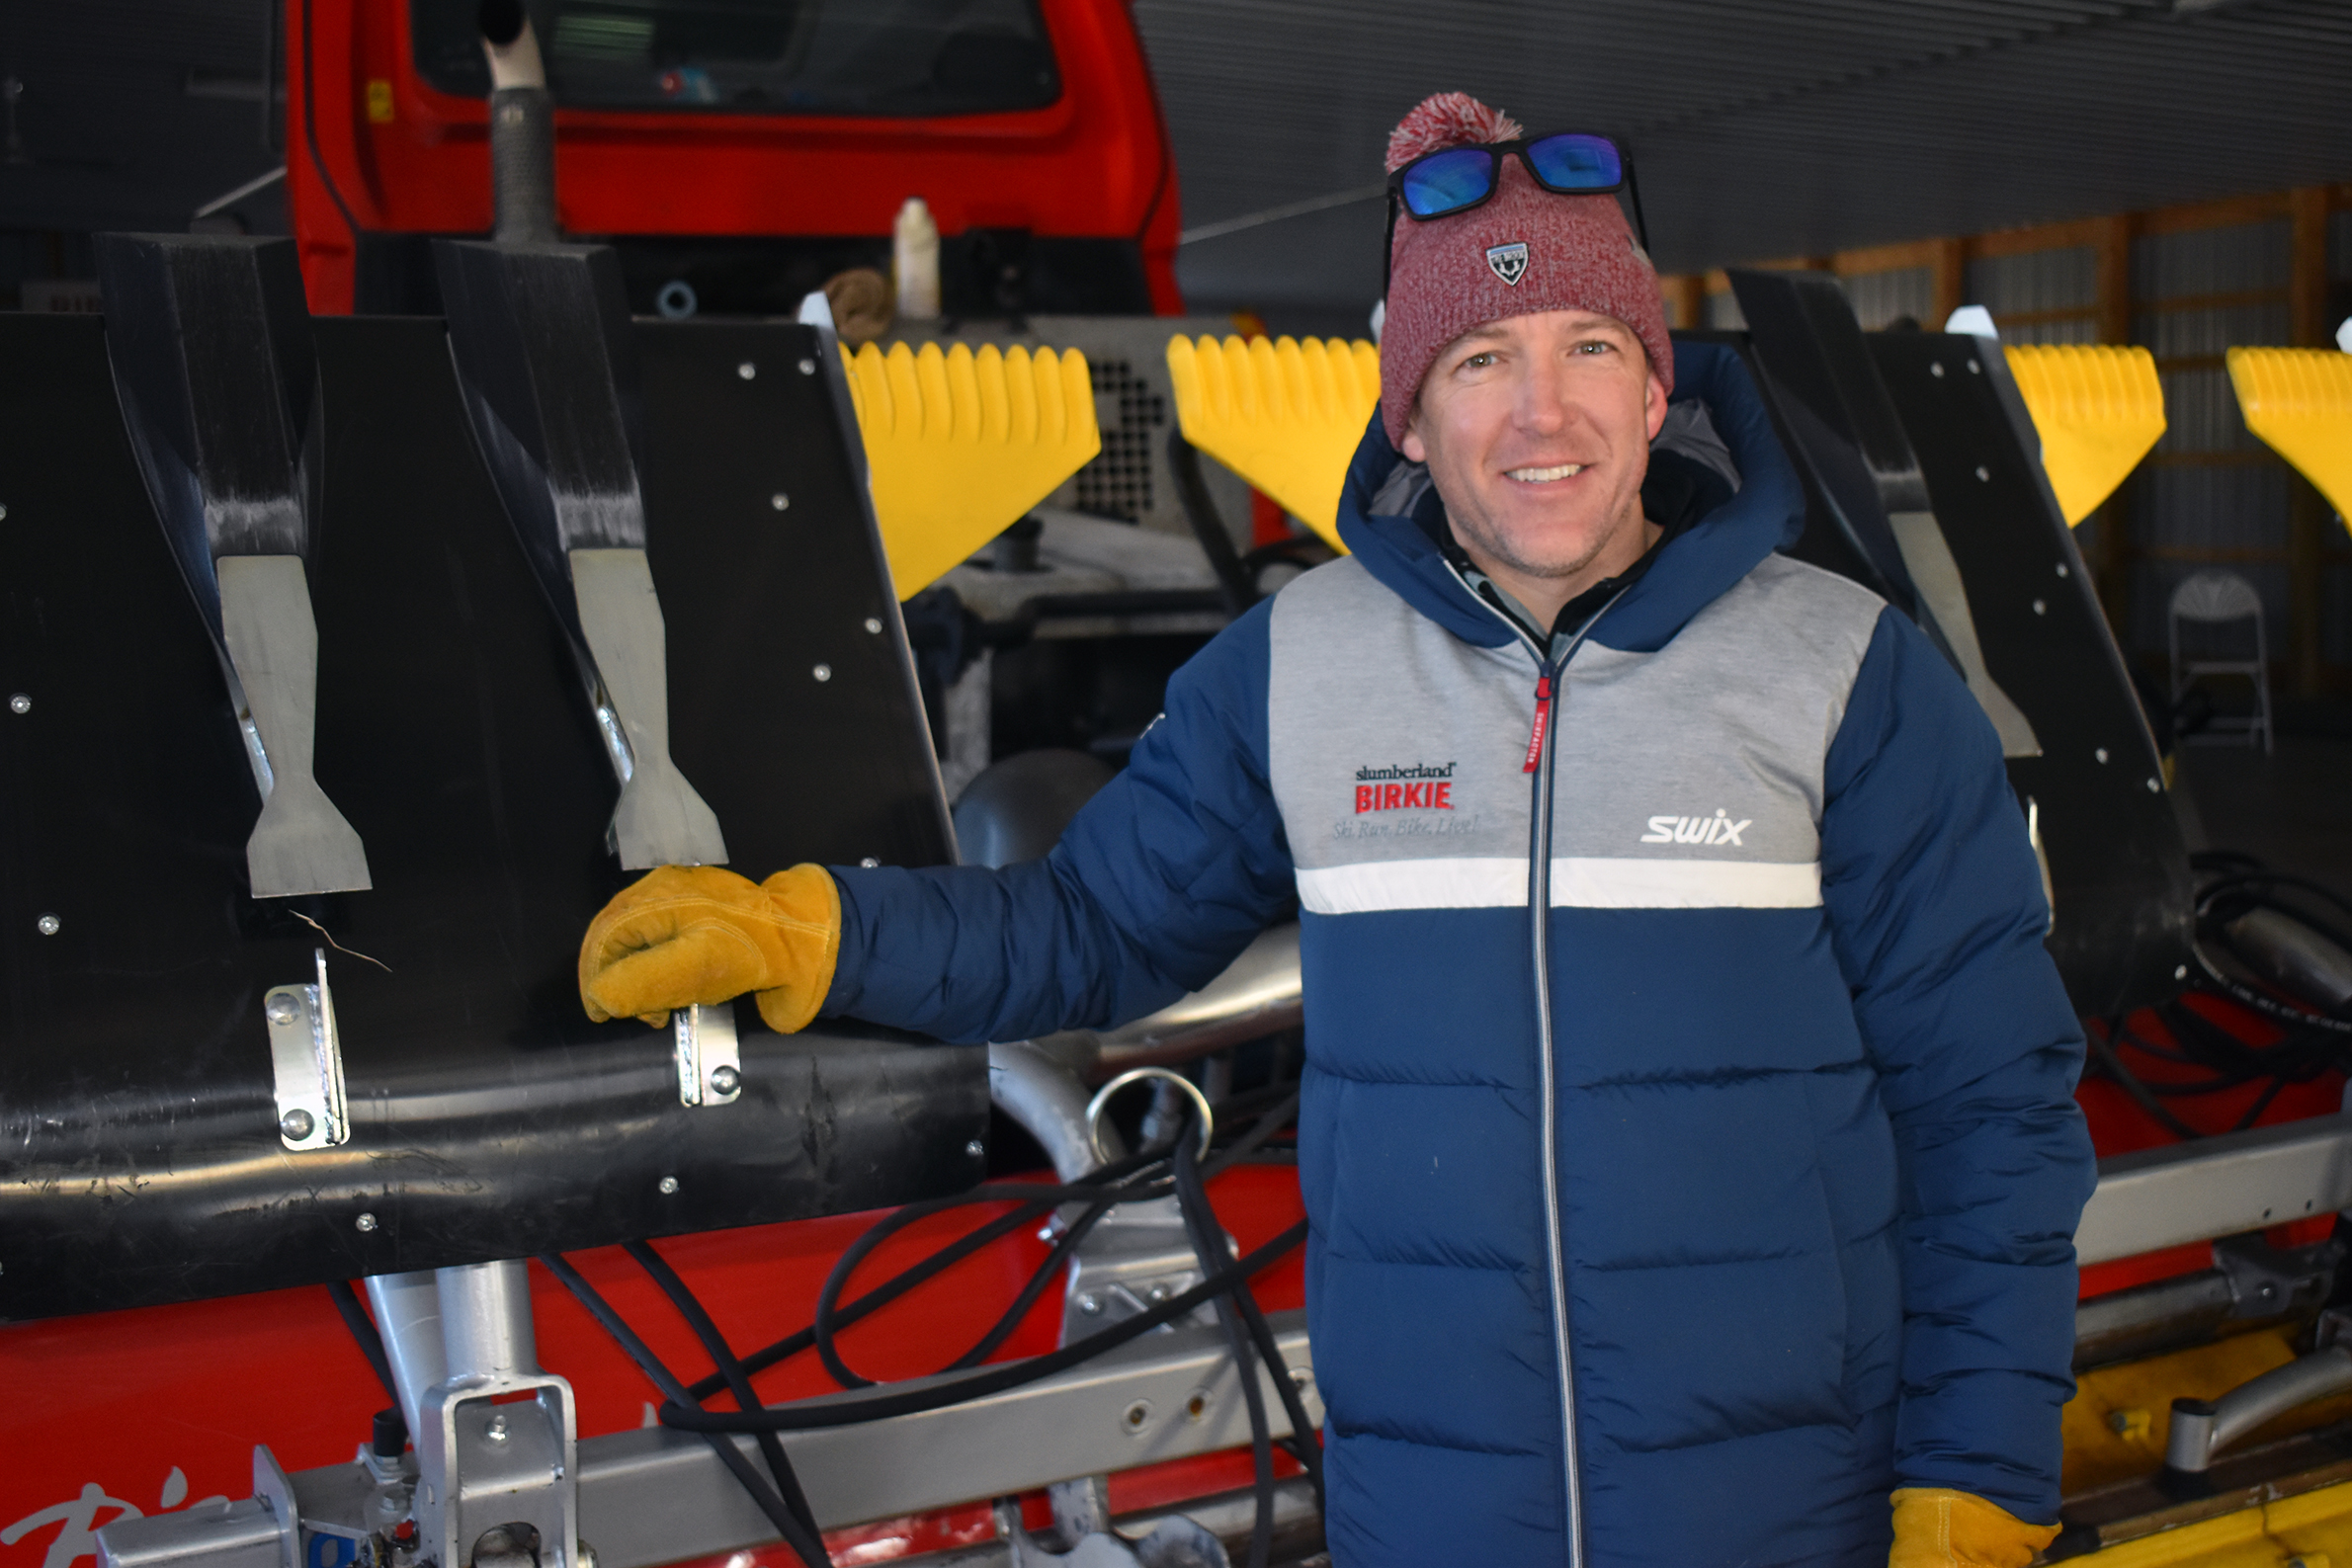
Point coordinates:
[(1937, 1527), (687, 933)]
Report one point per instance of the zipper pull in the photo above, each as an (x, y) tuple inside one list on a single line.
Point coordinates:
[(1535, 741)]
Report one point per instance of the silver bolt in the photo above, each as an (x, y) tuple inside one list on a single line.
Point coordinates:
[(48, 924), (282, 1009), (2101, 754), (1158, 1291), (297, 1123), (2154, 788), (2041, 609), (1090, 1305), (366, 1222), (3, 514), (823, 672), (496, 1430), (2181, 971), (809, 366), (1935, 368), (779, 500), (1300, 1377), (587, 1556), (869, 862), (725, 1079), (976, 1148), (1136, 1414), (1983, 473), (388, 1502), (20, 703), (747, 369), (874, 624), (668, 1186), (1974, 369)]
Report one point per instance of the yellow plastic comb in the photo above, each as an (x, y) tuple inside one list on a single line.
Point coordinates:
[(2299, 401), (961, 445), (2098, 411), (1284, 415)]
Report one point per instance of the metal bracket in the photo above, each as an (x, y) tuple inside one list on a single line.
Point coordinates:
[(2274, 1282), (277, 1494), (497, 1452), (306, 1061), (709, 1065), (1137, 1257)]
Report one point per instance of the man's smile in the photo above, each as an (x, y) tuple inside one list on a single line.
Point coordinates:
[(1563, 471)]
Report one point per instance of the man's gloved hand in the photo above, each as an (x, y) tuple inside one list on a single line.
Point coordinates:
[(687, 934), (1937, 1527)]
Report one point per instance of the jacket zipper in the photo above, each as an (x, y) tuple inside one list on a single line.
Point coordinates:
[(1542, 757)]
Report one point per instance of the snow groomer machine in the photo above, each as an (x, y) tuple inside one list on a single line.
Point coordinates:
[(353, 662)]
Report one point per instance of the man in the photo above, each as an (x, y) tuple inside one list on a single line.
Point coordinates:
[(1755, 1208)]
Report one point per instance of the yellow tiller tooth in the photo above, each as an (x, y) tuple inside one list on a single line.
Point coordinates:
[(961, 445), (2299, 401), (1284, 416), (2097, 410)]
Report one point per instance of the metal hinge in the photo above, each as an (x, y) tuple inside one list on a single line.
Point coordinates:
[(709, 1068), (306, 1059)]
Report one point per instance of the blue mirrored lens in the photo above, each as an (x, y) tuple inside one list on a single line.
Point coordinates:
[(1576, 163), (1448, 182)]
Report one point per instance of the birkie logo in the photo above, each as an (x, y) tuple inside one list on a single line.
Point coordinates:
[(1716, 829), (1419, 787), (1508, 260)]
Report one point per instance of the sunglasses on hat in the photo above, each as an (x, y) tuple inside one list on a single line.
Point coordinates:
[(1456, 178)]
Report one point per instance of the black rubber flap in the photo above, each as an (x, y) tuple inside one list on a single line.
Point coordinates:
[(140, 1161)]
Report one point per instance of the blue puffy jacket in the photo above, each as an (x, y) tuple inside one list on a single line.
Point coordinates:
[(1800, 1200)]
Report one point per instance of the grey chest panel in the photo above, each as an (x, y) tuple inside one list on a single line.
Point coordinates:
[(1688, 778)]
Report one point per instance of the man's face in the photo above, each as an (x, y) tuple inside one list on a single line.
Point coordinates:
[(1536, 431)]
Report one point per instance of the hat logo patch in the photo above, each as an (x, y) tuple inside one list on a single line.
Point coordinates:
[(1508, 260)]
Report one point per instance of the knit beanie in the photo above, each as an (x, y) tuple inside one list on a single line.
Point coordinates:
[(1522, 251)]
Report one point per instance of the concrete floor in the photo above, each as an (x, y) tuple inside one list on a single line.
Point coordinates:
[(2293, 808)]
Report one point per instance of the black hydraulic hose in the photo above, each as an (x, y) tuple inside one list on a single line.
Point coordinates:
[(2128, 1081), (1200, 1223), (723, 1356), (807, 1545), (363, 1328), (996, 1379)]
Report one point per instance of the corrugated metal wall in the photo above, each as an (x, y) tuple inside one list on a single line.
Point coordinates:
[(1882, 298), (2041, 296), (2210, 497)]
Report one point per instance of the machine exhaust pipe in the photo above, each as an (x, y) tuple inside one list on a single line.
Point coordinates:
[(522, 127)]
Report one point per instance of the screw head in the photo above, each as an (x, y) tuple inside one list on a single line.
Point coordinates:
[(282, 1010), (874, 624), (823, 672), (48, 924), (1090, 1304), (297, 1123), (496, 1430), (20, 703), (779, 500), (1158, 1291), (1983, 473), (2062, 568), (2040, 607), (3, 514), (2181, 971), (869, 862), (725, 1079), (2101, 754), (747, 369), (2154, 788), (1974, 369), (1935, 368), (366, 1222), (809, 366), (667, 1185), (976, 1148)]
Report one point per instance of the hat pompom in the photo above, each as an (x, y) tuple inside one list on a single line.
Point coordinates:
[(1448, 119)]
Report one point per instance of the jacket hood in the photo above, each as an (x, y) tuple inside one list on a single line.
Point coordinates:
[(1691, 570)]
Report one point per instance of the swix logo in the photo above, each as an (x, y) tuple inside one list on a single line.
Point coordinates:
[(1421, 786), (1716, 829)]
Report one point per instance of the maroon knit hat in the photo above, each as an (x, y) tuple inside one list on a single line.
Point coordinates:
[(1525, 250)]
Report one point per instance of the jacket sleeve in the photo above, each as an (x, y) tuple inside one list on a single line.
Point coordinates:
[(1160, 881), (1938, 916)]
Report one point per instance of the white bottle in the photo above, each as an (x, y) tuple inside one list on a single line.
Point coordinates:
[(915, 261)]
